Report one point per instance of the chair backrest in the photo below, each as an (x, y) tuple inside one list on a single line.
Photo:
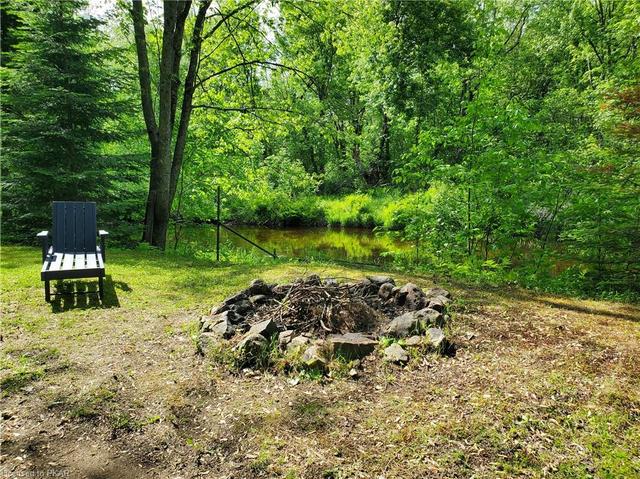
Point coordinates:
[(74, 227)]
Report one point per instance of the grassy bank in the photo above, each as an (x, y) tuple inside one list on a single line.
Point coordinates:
[(540, 386), (388, 209)]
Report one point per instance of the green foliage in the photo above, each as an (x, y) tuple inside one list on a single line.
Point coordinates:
[(60, 87), (499, 138)]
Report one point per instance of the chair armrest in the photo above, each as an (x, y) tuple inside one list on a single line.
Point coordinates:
[(103, 234), (44, 237)]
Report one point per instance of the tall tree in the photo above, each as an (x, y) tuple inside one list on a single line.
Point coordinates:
[(167, 131), (59, 95)]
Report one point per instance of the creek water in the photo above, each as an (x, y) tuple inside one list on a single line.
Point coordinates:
[(344, 244)]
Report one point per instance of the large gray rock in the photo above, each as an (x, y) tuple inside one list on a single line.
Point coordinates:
[(259, 287), (379, 280), (266, 328), (414, 322), (437, 339), (411, 297), (396, 354), (314, 358), (386, 291), (352, 345), (404, 325)]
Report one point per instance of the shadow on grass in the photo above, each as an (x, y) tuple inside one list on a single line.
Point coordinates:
[(84, 295), (587, 310)]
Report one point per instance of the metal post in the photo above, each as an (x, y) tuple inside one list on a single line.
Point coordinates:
[(218, 226)]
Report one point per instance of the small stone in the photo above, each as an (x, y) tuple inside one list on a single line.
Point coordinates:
[(285, 337), (414, 322), (281, 290), (223, 329), (437, 302), (258, 299), (221, 308), (313, 357), (266, 328), (413, 341), (205, 341), (396, 354), (298, 342), (251, 345), (367, 287), (220, 325), (380, 280), (436, 338), (429, 317), (386, 291), (353, 373), (433, 292), (234, 299), (330, 282), (312, 279), (241, 307), (352, 345), (259, 287)]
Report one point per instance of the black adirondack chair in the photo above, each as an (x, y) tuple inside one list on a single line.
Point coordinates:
[(71, 251)]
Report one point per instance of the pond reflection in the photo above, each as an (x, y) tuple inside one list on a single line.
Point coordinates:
[(346, 244)]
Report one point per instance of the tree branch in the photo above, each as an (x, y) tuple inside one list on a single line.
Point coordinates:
[(183, 12), (187, 98), (225, 16), (144, 75), (256, 62)]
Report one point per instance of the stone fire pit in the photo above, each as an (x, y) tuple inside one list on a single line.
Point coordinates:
[(321, 319)]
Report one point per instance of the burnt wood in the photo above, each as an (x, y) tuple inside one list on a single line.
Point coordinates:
[(71, 250)]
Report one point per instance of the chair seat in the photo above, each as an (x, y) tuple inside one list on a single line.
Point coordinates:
[(72, 265)]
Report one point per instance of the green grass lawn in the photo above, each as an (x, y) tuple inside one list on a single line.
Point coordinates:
[(541, 386)]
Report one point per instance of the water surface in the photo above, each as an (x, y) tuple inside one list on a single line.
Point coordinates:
[(344, 244)]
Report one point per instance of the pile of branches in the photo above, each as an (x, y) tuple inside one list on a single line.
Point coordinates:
[(324, 308)]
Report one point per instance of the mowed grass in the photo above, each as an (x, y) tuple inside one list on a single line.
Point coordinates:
[(540, 386)]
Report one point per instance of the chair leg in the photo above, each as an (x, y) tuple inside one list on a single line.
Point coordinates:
[(101, 287), (47, 291)]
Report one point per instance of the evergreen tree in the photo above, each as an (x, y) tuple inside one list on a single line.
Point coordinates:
[(59, 96)]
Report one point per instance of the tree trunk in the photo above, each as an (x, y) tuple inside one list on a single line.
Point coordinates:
[(166, 159), (384, 154)]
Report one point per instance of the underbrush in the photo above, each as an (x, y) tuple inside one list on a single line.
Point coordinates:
[(386, 209)]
